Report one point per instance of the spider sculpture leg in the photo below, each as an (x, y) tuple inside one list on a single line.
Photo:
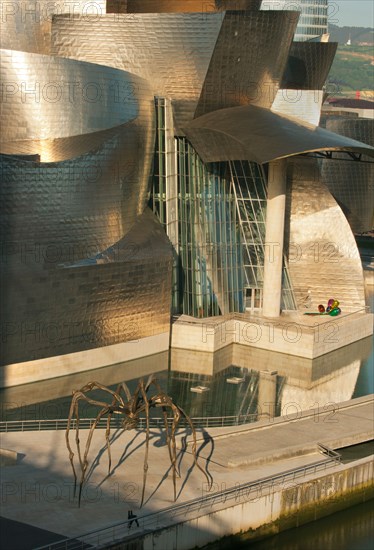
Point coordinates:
[(194, 445), (176, 418), (163, 398), (146, 408), (88, 444), (71, 454), (116, 398), (107, 436), (74, 410), (117, 405)]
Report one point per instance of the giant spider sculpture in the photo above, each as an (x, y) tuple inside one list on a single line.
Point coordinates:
[(130, 406)]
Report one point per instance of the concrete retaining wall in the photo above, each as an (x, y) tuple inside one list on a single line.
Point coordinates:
[(289, 335), (71, 363), (253, 516)]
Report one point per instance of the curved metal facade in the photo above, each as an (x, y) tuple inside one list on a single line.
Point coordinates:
[(49, 98), (308, 65), (351, 183), (323, 255), (25, 25), (301, 94), (178, 6), (85, 265), (314, 14), (54, 308), (258, 135), (248, 60), (172, 51)]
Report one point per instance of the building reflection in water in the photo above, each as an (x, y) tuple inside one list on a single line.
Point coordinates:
[(273, 383), (236, 381)]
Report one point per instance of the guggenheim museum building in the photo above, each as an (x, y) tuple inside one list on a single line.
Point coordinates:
[(163, 162)]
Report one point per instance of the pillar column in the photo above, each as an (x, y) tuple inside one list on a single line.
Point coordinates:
[(267, 393), (273, 260)]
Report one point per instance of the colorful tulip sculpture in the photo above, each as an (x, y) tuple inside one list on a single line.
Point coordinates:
[(332, 309)]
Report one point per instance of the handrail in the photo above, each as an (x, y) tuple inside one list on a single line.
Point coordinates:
[(331, 453), (178, 513), (86, 423)]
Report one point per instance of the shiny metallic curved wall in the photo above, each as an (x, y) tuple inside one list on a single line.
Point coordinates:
[(351, 183), (25, 25), (260, 135), (53, 105), (84, 264), (87, 203), (172, 51), (313, 20), (301, 93), (179, 6), (248, 60), (322, 253), (308, 65), (48, 98), (51, 308)]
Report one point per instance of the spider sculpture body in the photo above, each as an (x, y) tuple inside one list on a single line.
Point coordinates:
[(130, 407)]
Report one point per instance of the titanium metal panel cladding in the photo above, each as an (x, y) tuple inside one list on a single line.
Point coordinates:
[(25, 25), (323, 257), (63, 207), (351, 183), (257, 134), (51, 309), (308, 65), (52, 104), (306, 71), (172, 51), (248, 60), (181, 6)]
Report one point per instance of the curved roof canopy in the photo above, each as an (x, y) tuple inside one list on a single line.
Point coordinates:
[(257, 134)]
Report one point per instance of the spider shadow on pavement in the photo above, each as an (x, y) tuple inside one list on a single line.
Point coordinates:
[(181, 453), (153, 435)]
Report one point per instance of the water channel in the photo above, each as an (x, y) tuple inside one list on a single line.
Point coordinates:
[(218, 386)]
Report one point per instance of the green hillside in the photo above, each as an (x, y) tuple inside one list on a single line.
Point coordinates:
[(353, 68)]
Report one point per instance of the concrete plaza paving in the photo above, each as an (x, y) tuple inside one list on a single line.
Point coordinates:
[(38, 489)]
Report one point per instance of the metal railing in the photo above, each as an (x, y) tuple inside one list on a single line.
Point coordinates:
[(116, 423), (329, 452), (189, 510)]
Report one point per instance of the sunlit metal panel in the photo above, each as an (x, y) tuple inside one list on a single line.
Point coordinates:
[(52, 308), (306, 71), (257, 134), (25, 25), (171, 51), (179, 6), (49, 98), (351, 183), (248, 60), (324, 261), (308, 65)]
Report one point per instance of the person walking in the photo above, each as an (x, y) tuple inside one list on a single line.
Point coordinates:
[(132, 517)]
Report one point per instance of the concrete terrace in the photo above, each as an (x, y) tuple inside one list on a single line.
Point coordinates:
[(291, 333), (38, 488)]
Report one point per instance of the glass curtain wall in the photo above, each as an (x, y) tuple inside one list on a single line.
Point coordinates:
[(209, 238), (200, 219), (250, 189), (214, 215)]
